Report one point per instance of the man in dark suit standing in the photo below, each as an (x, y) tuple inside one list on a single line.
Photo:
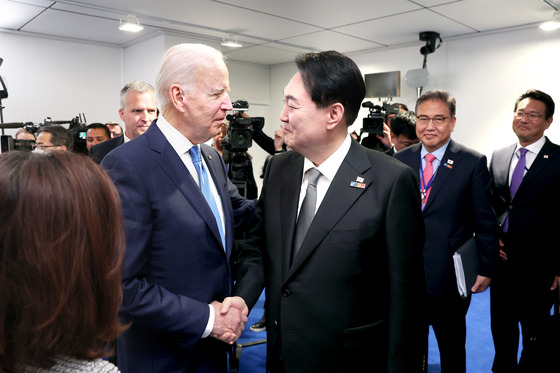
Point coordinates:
[(455, 187), (526, 198), (344, 287), (138, 110), (179, 209)]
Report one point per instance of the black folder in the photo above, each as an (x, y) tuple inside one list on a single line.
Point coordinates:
[(465, 260)]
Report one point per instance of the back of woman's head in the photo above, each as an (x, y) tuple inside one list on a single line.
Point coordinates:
[(61, 250)]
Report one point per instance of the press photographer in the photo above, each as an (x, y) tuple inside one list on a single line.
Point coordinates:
[(238, 139), (375, 126), (73, 138)]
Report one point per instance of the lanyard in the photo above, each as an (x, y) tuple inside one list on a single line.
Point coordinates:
[(423, 185)]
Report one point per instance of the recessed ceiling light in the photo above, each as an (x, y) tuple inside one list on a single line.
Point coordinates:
[(231, 42), (131, 24)]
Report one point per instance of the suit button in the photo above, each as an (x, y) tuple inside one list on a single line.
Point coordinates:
[(286, 292)]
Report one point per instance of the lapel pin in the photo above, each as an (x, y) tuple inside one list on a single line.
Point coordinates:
[(210, 157), (449, 163), (545, 156), (356, 184), (360, 179)]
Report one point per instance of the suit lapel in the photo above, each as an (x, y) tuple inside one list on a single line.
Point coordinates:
[(541, 161), (339, 198), (174, 167), (289, 199), (501, 165), (450, 161)]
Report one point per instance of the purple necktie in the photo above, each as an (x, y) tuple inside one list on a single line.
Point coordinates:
[(516, 179), (518, 172)]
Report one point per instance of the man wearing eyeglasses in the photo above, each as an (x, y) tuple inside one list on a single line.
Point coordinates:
[(526, 198), (54, 138), (455, 189)]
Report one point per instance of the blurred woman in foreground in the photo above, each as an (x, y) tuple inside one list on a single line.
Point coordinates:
[(61, 250)]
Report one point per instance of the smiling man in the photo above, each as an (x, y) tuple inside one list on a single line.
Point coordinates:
[(338, 237), (525, 185), (455, 187), (138, 110)]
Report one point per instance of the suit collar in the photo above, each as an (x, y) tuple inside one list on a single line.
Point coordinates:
[(450, 161), (168, 159), (542, 160), (341, 195)]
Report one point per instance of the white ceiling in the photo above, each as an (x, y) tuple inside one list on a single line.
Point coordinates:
[(274, 31)]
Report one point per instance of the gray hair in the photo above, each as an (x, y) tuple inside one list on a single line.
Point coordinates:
[(136, 86), (438, 95), (180, 65)]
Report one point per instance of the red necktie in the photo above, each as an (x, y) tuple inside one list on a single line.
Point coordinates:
[(428, 172)]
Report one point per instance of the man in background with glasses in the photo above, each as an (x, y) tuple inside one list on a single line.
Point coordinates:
[(455, 189), (54, 138), (526, 198)]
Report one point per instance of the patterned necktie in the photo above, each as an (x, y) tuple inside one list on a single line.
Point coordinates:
[(206, 190), (307, 210), (516, 179), (427, 177)]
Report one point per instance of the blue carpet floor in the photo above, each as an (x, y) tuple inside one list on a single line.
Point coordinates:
[(480, 349)]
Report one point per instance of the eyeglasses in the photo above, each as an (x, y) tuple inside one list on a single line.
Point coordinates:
[(423, 120), (533, 117)]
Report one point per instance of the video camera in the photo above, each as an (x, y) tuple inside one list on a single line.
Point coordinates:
[(239, 136), (76, 126), (238, 140), (373, 123)]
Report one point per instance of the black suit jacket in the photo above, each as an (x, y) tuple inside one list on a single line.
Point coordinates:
[(99, 151), (175, 264), (531, 241), (458, 206), (353, 295)]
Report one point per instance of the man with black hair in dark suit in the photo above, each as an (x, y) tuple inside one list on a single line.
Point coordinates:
[(337, 241), (526, 198)]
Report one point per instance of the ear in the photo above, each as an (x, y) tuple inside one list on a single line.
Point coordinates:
[(335, 115), (121, 114), (177, 95), (548, 122)]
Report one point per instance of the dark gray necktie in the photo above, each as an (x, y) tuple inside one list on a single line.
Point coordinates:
[(307, 210)]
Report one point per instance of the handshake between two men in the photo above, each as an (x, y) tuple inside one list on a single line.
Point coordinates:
[(230, 319)]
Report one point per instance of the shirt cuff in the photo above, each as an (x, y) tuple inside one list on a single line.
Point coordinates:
[(210, 324)]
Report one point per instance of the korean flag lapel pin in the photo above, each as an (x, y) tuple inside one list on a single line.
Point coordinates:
[(449, 164), (359, 183)]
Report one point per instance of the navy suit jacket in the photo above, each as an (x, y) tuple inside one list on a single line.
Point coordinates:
[(175, 264), (353, 296), (533, 216), (99, 151), (458, 206)]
